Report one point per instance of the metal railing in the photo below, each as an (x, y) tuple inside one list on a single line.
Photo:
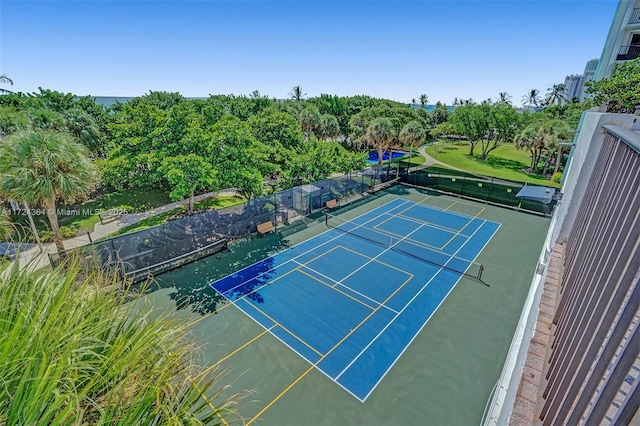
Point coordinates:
[(627, 53)]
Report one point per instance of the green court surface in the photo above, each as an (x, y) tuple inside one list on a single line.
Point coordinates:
[(444, 376)]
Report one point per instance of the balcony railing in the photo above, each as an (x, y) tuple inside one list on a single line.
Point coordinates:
[(635, 16), (627, 53)]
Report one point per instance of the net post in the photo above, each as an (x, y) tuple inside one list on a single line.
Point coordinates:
[(480, 272)]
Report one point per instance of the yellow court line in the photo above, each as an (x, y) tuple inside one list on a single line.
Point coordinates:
[(315, 258), (204, 317), (451, 205), (229, 355), (203, 396), (285, 329), (380, 262), (336, 289), (288, 388), (404, 237), (463, 228)]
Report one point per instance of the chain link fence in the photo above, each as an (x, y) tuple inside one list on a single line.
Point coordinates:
[(476, 187), (150, 251)]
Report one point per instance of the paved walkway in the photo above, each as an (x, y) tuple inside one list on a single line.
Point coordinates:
[(35, 258)]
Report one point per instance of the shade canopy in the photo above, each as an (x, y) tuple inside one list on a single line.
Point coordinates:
[(537, 193)]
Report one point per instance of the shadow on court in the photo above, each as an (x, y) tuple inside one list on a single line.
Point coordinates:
[(191, 282)]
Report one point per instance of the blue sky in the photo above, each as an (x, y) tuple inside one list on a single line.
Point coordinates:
[(395, 50)]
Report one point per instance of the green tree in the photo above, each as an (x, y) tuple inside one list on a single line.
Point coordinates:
[(620, 92), (239, 159), (186, 174), (531, 138), (439, 115), (336, 106), (329, 127), (423, 101), (296, 94), (309, 120), (4, 79), (502, 124), (84, 127), (468, 121), (44, 167), (555, 95), (504, 98), (380, 134), (531, 98), (276, 129), (412, 134)]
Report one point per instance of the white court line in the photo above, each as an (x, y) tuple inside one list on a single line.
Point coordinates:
[(302, 254), (405, 307), (314, 364), (434, 311), (435, 225), (345, 286)]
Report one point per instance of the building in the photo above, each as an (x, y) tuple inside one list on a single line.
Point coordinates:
[(572, 87), (575, 356), (588, 75), (623, 41)]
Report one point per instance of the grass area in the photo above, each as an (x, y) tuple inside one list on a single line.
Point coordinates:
[(505, 162), (83, 217), (214, 203), (416, 160)]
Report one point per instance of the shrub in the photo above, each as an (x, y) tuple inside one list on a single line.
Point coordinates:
[(556, 177), (76, 350)]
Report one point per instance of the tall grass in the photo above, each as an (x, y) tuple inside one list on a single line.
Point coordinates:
[(73, 351)]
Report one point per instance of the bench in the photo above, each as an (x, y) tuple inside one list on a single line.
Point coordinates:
[(266, 227), (331, 204)]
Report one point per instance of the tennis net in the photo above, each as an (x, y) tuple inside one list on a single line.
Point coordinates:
[(407, 247)]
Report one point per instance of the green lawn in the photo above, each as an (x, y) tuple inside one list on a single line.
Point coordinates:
[(83, 217), (505, 162), (214, 203)]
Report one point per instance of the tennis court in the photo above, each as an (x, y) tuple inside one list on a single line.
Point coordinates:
[(351, 300)]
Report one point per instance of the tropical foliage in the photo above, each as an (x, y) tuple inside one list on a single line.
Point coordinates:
[(42, 168), (75, 352), (620, 92)]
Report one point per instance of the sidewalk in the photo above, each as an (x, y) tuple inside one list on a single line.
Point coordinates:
[(35, 259)]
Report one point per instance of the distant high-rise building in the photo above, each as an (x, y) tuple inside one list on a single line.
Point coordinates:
[(572, 87), (589, 73), (623, 41)]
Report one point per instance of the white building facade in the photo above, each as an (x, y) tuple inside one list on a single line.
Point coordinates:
[(623, 41)]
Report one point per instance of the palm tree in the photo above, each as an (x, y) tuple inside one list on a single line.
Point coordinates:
[(424, 100), (296, 94), (309, 120), (4, 79), (412, 134), (380, 133), (42, 167), (555, 94), (504, 98), (531, 98)]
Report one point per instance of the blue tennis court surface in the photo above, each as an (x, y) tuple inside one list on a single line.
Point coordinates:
[(351, 300)]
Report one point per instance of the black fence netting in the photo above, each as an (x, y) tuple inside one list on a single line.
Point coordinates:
[(141, 253), (482, 188)]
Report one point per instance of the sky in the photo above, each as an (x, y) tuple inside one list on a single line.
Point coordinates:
[(396, 50)]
